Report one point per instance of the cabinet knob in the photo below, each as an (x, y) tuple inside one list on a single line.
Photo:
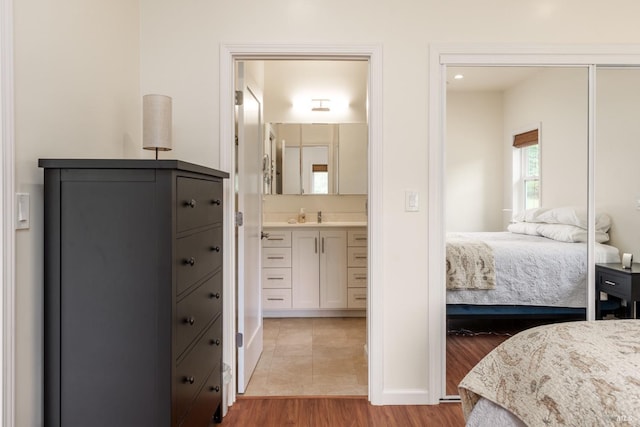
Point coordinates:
[(215, 248), (189, 379), (191, 203), (216, 295), (216, 389), (216, 202), (190, 320), (191, 261), (215, 342)]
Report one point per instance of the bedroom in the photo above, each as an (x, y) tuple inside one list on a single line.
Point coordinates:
[(101, 58), (490, 106)]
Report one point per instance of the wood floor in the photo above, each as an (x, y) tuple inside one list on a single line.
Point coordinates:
[(337, 411)]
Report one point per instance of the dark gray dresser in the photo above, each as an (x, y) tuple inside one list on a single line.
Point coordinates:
[(133, 293)]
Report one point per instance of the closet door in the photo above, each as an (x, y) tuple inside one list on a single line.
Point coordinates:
[(305, 269)]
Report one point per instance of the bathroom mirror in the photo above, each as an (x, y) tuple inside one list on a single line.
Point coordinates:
[(314, 158)]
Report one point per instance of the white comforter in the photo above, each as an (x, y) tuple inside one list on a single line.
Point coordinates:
[(533, 270)]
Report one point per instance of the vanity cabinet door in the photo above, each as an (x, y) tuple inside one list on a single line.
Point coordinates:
[(333, 269), (305, 269)]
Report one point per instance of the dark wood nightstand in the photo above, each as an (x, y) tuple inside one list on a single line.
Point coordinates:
[(619, 282)]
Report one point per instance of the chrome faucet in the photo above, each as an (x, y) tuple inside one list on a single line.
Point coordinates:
[(319, 217)]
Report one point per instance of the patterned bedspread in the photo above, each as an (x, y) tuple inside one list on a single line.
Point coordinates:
[(470, 263), (574, 374)]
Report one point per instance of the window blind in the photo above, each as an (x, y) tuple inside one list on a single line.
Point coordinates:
[(525, 139)]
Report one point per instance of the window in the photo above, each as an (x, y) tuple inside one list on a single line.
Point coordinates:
[(319, 179), (526, 170)]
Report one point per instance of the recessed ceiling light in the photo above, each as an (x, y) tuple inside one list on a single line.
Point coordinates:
[(458, 77)]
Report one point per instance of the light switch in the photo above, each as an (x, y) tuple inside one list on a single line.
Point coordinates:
[(23, 208), (411, 201)]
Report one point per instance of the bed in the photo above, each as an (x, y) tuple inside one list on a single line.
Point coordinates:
[(572, 373), (538, 267)]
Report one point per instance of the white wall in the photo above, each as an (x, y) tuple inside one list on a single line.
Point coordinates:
[(76, 95), (557, 99), (474, 165)]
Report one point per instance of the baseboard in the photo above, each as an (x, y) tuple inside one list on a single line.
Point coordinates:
[(406, 397)]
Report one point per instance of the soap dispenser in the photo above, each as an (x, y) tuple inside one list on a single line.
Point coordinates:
[(302, 217)]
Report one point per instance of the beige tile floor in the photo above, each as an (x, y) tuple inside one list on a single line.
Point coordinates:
[(312, 357)]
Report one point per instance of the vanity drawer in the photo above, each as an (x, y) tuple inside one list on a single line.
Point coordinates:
[(276, 278), (196, 310), (192, 372), (357, 277), (274, 299), (199, 203), (277, 239), (357, 237), (357, 256), (197, 255), (276, 257), (357, 298)]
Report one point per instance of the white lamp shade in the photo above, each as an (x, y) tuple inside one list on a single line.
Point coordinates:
[(156, 119)]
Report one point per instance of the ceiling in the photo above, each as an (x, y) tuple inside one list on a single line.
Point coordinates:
[(492, 78)]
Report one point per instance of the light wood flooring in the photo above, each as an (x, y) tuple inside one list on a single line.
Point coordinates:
[(312, 357)]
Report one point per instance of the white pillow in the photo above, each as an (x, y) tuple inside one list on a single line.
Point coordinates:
[(568, 233), (529, 228), (564, 215)]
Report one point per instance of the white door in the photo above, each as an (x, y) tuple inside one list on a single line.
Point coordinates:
[(249, 132)]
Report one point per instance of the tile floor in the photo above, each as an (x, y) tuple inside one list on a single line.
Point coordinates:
[(312, 357)]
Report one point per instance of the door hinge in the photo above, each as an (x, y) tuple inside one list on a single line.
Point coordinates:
[(239, 340), (239, 219), (239, 97)]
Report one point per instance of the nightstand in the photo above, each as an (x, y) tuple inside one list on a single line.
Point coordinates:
[(619, 282)]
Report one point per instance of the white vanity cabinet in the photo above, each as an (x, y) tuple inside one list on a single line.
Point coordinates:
[(318, 275)]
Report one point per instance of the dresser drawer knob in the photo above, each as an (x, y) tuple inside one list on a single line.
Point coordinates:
[(190, 261), (215, 342), (216, 389), (191, 203), (190, 320), (216, 295), (189, 379), (216, 202), (215, 248)]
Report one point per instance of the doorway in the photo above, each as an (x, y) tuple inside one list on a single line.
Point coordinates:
[(302, 122), (232, 53)]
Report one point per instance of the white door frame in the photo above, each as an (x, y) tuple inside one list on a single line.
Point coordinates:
[(7, 232), (373, 53), (442, 55)]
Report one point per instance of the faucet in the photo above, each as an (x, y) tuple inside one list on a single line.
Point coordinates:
[(319, 217)]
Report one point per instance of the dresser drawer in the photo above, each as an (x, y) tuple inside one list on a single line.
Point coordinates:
[(276, 278), (357, 237), (196, 310), (277, 239), (276, 257), (208, 403), (274, 299), (356, 257), (357, 298), (357, 277), (194, 369), (197, 255), (199, 203)]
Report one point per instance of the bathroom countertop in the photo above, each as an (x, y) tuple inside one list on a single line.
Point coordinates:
[(284, 224)]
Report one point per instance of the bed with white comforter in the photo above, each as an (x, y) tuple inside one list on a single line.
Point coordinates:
[(541, 261)]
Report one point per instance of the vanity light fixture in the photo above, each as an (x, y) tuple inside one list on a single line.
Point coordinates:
[(320, 104)]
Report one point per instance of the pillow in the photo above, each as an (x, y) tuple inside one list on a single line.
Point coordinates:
[(564, 215), (568, 233), (529, 228)]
